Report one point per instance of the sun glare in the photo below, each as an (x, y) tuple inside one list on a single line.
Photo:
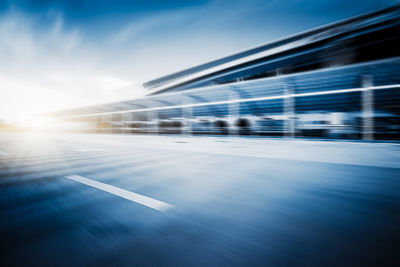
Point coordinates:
[(36, 123)]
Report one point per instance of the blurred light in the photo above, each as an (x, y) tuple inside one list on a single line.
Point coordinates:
[(37, 123)]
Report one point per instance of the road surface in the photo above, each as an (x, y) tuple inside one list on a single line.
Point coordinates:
[(99, 200)]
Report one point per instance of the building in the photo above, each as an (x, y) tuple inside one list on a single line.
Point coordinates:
[(337, 81)]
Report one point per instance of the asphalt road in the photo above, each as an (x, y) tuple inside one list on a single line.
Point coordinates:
[(99, 200)]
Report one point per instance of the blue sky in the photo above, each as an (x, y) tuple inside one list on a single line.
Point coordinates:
[(61, 54)]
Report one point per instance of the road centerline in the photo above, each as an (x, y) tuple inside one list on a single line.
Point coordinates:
[(134, 197)]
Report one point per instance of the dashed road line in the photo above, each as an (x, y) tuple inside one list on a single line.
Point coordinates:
[(140, 199)]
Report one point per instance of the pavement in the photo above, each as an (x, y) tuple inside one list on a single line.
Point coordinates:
[(137, 200)]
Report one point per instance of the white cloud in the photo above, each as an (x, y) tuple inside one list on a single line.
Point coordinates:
[(45, 68)]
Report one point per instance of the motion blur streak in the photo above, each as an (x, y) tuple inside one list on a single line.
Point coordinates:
[(238, 201), (282, 154)]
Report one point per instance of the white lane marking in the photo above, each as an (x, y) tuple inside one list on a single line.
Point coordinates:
[(88, 149), (143, 200)]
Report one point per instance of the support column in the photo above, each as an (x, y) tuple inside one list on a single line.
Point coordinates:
[(98, 124), (367, 108), (148, 119), (156, 116), (289, 111), (187, 114), (108, 120), (121, 123), (88, 124), (233, 112)]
